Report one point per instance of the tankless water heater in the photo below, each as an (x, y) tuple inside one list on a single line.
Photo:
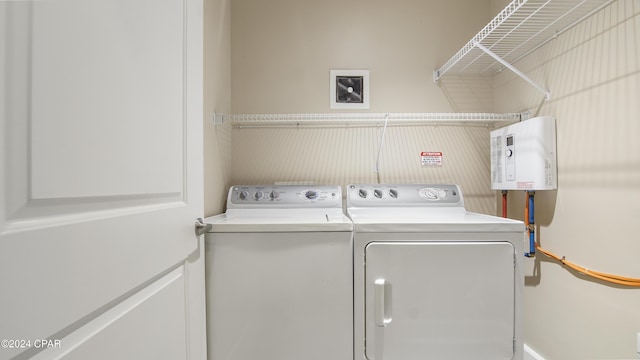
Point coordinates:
[(523, 155)]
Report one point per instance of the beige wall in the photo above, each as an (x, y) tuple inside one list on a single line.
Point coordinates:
[(217, 98), (283, 50), (498, 5), (282, 53), (348, 155), (593, 73)]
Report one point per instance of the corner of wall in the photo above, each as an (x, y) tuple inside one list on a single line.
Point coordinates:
[(217, 100)]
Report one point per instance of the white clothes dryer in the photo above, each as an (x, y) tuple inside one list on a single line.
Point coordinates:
[(431, 280), (279, 275)]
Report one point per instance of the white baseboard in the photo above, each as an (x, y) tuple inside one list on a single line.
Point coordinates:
[(529, 354)]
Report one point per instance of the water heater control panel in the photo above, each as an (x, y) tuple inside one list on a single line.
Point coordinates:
[(523, 155), (510, 158)]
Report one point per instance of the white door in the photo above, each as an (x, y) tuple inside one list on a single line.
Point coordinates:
[(440, 300), (101, 179)]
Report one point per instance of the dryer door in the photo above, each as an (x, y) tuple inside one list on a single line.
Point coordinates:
[(439, 300)]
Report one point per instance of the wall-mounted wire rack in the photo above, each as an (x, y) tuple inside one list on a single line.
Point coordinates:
[(372, 119), (520, 28)]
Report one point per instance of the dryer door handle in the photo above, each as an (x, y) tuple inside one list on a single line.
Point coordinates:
[(382, 302)]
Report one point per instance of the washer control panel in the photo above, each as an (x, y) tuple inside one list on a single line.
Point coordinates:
[(423, 195), (284, 195)]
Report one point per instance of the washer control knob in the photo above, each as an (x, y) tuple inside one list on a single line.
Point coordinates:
[(362, 193), (377, 193), (311, 194), (258, 195), (393, 193), (273, 195), (432, 193), (243, 195)]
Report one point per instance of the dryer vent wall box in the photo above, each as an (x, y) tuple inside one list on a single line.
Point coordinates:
[(523, 155)]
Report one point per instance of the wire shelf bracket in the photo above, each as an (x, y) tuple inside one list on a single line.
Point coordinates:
[(547, 93)]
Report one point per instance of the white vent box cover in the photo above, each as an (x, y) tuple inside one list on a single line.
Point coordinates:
[(523, 155)]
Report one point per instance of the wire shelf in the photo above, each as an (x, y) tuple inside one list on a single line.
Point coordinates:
[(519, 29), (369, 119)]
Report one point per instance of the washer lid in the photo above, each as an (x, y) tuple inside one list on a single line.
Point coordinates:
[(280, 220)]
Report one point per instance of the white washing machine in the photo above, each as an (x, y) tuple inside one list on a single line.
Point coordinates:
[(431, 280), (279, 275)]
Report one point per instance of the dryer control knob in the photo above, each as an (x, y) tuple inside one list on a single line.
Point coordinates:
[(377, 193), (243, 195), (311, 194)]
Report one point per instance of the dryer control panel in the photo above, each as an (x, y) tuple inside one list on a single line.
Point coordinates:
[(269, 196), (422, 195)]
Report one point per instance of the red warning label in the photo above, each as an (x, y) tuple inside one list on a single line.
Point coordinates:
[(431, 158)]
